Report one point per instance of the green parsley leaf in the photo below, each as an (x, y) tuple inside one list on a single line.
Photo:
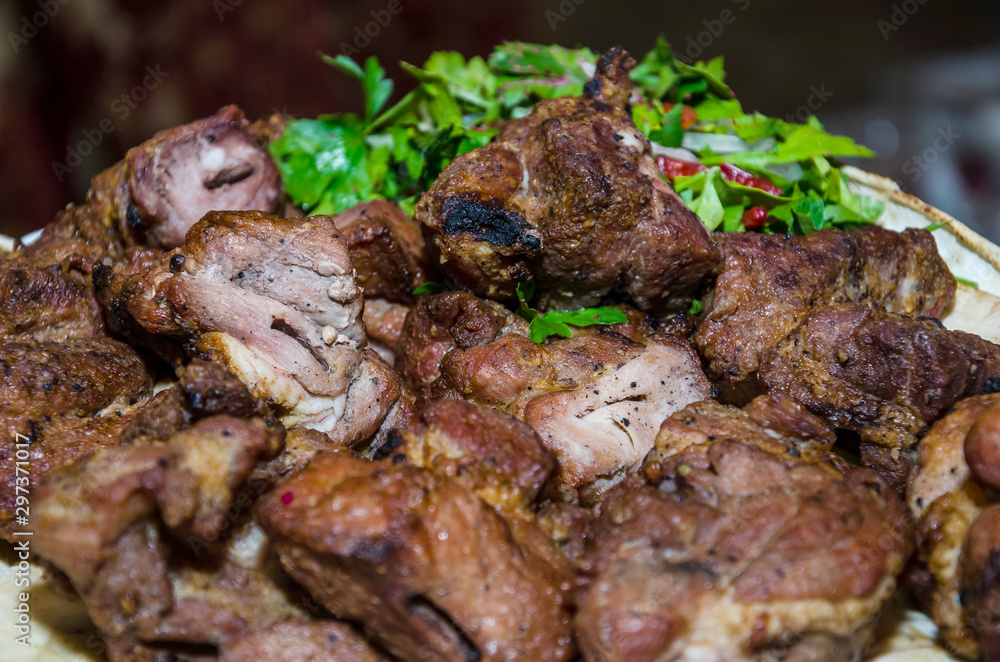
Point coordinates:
[(557, 322), (430, 287)]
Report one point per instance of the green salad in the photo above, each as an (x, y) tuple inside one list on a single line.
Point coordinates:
[(736, 170)]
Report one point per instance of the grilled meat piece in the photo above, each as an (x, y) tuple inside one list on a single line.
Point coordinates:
[(596, 400), (301, 641), (384, 323), (957, 532), (387, 250), (275, 301), (741, 539), (571, 196), (41, 381), (134, 528), (885, 376), (771, 283), (48, 302), (428, 570), (181, 174)]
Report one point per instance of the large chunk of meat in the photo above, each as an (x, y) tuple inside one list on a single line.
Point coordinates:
[(104, 522), (958, 526), (771, 283), (428, 570), (275, 301), (885, 376), (596, 400), (300, 641), (569, 195), (181, 174), (743, 539)]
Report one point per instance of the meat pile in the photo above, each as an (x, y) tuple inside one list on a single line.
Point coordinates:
[(250, 439)]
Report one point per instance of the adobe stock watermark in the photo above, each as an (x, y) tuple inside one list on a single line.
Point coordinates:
[(697, 44), (815, 101), (918, 164), (901, 13), (122, 107), (562, 13), (30, 25), (363, 35), (223, 7)]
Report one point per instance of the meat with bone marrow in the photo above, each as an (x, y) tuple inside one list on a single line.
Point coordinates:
[(569, 195), (742, 538), (275, 301)]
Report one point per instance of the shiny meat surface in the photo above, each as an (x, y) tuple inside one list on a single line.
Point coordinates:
[(740, 541), (771, 283), (425, 567), (571, 196), (885, 376), (275, 301), (181, 174), (958, 533)]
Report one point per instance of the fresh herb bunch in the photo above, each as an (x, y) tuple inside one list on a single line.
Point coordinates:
[(735, 170)]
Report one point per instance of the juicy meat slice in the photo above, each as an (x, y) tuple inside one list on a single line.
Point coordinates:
[(41, 381), (384, 323), (387, 250), (571, 196), (740, 541), (769, 284), (427, 569), (182, 173), (957, 529), (48, 302), (275, 301), (596, 401), (302, 641), (885, 376), (440, 323)]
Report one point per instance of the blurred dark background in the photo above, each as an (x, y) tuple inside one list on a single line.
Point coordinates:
[(81, 81)]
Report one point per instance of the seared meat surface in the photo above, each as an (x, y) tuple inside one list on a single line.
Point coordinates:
[(952, 496), (742, 538), (387, 250), (275, 301), (771, 283), (428, 570), (885, 376), (301, 641), (569, 195), (181, 174), (596, 400)]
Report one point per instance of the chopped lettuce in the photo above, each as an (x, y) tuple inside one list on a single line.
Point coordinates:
[(395, 152)]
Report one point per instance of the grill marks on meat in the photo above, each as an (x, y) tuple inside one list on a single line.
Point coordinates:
[(275, 301), (429, 570), (596, 400), (183, 173), (743, 542), (771, 283), (883, 375), (950, 496), (569, 195)]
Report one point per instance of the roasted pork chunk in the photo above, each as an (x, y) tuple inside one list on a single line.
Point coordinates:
[(771, 283), (952, 496), (275, 301), (570, 195), (742, 538), (596, 400), (428, 569)]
